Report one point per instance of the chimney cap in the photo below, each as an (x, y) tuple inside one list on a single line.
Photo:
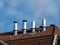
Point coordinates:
[(24, 20), (15, 21), (52, 25)]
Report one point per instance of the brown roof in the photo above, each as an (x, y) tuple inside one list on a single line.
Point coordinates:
[(50, 31), (8, 35)]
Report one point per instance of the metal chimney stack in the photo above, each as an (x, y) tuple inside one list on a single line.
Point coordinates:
[(15, 27), (33, 26), (44, 24), (24, 26)]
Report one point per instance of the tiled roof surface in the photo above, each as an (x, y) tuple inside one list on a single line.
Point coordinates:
[(39, 37)]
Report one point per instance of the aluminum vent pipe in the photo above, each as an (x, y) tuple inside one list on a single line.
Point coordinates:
[(44, 24), (33, 26), (15, 27), (24, 26)]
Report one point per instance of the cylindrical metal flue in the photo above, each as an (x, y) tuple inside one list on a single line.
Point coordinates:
[(33, 26), (44, 24), (24, 26), (15, 27)]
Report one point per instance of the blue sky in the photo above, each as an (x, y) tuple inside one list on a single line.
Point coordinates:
[(19, 10)]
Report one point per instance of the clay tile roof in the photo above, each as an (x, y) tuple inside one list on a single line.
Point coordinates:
[(20, 35), (3, 43), (50, 31)]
